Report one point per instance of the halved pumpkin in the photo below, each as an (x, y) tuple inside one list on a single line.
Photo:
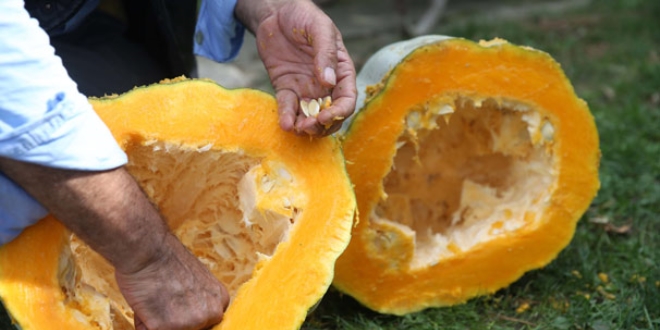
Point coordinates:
[(268, 212), (472, 164)]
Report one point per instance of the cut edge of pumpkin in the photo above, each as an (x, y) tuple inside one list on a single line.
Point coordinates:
[(261, 176), (393, 284)]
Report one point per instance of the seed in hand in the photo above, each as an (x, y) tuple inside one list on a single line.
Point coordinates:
[(314, 106)]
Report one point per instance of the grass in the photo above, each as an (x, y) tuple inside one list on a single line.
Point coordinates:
[(611, 53), (609, 276)]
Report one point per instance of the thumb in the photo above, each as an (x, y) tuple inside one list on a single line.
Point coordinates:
[(325, 52)]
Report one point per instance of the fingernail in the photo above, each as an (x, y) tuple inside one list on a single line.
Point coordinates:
[(329, 76)]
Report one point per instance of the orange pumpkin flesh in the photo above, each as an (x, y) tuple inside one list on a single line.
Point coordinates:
[(266, 211), (471, 164)]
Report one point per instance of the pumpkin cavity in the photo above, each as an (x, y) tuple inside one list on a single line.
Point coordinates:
[(229, 209), (466, 171)]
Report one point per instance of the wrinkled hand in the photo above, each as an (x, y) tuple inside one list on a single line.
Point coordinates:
[(167, 287), (305, 57), (174, 292)]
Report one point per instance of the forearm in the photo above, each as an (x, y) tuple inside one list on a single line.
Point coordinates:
[(106, 209)]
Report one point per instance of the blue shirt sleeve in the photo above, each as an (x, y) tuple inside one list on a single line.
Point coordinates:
[(44, 119), (17, 210), (218, 34)]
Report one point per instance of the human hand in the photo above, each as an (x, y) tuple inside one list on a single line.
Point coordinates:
[(167, 287), (306, 59), (175, 291)]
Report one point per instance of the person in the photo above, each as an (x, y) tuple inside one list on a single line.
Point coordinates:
[(57, 156)]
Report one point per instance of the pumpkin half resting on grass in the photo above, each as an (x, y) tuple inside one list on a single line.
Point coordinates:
[(471, 164), (268, 212)]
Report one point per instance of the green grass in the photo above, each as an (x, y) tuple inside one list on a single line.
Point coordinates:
[(611, 53)]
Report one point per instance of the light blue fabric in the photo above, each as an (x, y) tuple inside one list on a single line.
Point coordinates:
[(43, 118), (218, 35), (17, 210)]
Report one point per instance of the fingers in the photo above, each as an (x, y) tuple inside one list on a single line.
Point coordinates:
[(292, 117), (312, 127), (329, 120), (287, 107), (174, 292), (338, 112), (306, 60), (344, 95), (336, 70), (307, 125), (323, 36)]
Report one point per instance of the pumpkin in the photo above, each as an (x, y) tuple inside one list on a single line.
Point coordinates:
[(471, 164), (267, 211)]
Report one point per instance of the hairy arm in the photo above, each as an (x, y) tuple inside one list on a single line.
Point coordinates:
[(166, 285)]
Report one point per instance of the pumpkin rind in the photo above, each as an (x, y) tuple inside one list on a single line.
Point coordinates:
[(197, 118), (454, 72)]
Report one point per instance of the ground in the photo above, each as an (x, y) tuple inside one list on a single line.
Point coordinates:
[(609, 276)]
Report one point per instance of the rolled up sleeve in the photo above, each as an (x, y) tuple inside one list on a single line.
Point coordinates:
[(218, 34), (43, 118)]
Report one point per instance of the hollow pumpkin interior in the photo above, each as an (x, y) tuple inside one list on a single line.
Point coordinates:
[(248, 207), (209, 199), (471, 164), (465, 177)]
